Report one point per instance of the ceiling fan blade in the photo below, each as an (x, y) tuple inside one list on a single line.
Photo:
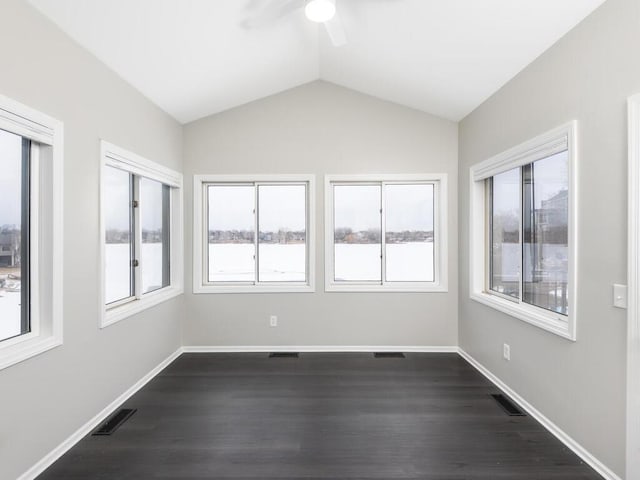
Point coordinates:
[(263, 13), (335, 30)]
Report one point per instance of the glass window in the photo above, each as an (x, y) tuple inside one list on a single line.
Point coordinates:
[(546, 233), (278, 212), (231, 233), (154, 221), (14, 235), (505, 233), (357, 233), (409, 232), (253, 234), (142, 222), (522, 234), (119, 245), (282, 226), (31, 224), (535, 196), (384, 233)]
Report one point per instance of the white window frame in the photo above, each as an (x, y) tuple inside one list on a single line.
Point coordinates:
[(633, 312), (554, 141), (200, 237), (116, 157), (440, 242), (46, 230)]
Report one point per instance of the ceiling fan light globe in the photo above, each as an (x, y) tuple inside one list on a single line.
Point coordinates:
[(320, 10)]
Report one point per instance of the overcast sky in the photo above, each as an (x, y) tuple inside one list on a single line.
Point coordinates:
[(117, 198), (408, 207), (281, 207)]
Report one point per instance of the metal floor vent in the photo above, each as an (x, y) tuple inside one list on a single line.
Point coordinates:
[(114, 422), (283, 355), (389, 355), (507, 405)]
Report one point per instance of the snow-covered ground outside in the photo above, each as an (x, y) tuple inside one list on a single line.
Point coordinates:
[(117, 269), (234, 262), (278, 263), (285, 263), (9, 314)]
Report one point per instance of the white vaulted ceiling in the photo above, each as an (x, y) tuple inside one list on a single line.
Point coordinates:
[(194, 58)]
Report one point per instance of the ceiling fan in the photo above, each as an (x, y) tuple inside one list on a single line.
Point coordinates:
[(324, 11), (263, 12)]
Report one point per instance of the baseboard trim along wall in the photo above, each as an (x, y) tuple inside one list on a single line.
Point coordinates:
[(578, 449), (317, 349), (67, 444)]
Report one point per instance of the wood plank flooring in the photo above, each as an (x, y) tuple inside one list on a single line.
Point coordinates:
[(320, 417)]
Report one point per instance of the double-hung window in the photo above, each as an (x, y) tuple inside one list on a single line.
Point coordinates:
[(523, 247), (253, 234), (141, 232), (385, 233), (30, 232)]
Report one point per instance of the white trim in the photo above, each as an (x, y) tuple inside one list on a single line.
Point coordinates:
[(556, 431), (46, 212), (134, 306), (633, 312), (131, 162), (440, 240), (27, 122), (549, 143), (554, 141), (114, 156), (199, 235), (317, 348), (527, 313), (75, 437)]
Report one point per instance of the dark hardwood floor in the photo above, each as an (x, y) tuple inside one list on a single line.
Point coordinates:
[(321, 416)]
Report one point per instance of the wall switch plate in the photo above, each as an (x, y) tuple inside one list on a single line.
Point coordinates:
[(273, 320), (506, 351), (619, 295)]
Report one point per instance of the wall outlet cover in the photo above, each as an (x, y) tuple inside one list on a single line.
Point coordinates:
[(506, 351)]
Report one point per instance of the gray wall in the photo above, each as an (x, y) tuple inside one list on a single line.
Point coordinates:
[(587, 76), (46, 398), (321, 128)]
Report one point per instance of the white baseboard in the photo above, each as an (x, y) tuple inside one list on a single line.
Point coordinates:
[(61, 449), (316, 348), (578, 449)]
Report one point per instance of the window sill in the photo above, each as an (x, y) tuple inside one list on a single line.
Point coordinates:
[(27, 346), (372, 288), (120, 312), (253, 289), (538, 317)]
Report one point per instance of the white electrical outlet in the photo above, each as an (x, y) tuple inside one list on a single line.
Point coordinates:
[(506, 351), (273, 320)]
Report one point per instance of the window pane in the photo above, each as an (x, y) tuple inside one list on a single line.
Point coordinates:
[(409, 233), (118, 197), (546, 233), (14, 250), (154, 220), (282, 226), (357, 233), (231, 233), (505, 233)]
